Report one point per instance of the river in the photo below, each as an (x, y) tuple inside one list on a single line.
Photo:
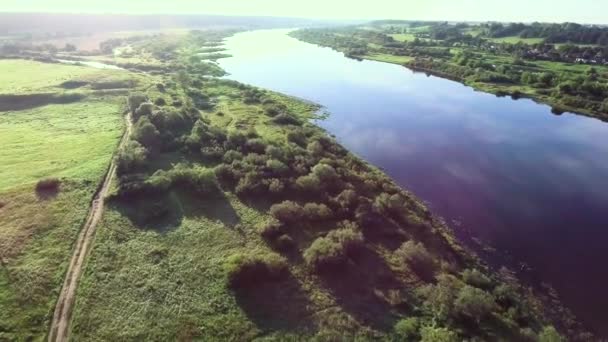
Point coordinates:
[(532, 184)]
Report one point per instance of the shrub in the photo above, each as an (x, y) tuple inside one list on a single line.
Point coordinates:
[(287, 211), (160, 101), (325, 173), (315, 148), (349, 238), (249, 184), (255, 145), (324, 253), (48, 185), (275, 186), (131, 157), (231, 156), (317, 212), (474, 303), (407, 329), (225, 174), (236, 139), (276, 166), (135, 100), (146, 133), (437, 334), (248, 270), (144, 109), (297, 137), (417, 256), (200, 180), (286, 119), (271, 230), (347, 199), (273, 111), (333, 249), (274, 152), (476, 278), (309, 183), (283, 243), (550, 334)]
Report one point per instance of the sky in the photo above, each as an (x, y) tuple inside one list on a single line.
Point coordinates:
[(582, 11)]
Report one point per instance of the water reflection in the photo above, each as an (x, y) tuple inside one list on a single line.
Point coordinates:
[(532, 183)]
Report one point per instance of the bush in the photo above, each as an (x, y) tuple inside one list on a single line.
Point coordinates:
[(474, 303), (550, 334), (199, 180), (315, 148), (325, 173), (309, 183), (255, 145), (437, 334), (286, 119), (249, 270), (144, 109), (317, 212), (274, 152), (297, 137), (131, 158), (476, 278), (416, 255), (276, 167), (283, 243), (225, 174), (146, 133), (407, 329), (272, 230), (275, 186), (160, 101), (287, 211), (231, 156), (347, 199), (324, 253), (236, 140), (48, 185), (333, 249), (250, 184), (135, 100)]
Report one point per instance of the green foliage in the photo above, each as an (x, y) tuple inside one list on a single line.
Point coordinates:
[(247, 270), (474, 303), (146, 134), (287, 211), (333, 249), (437, 334), (476, 278), (135, 100), (316, 212), (407, 329), (417, 256), (309, 183), (131, 158), (549, 334), (325, 173)]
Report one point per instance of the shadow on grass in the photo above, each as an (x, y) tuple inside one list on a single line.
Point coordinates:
[(358, 286), (164, 212), (281, 305)]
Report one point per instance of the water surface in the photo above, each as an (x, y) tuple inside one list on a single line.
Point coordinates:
[(532, 184)]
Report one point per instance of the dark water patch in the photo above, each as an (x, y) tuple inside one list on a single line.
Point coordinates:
[(29, 101)]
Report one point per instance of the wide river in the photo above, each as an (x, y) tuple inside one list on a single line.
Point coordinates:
[(531, 184)]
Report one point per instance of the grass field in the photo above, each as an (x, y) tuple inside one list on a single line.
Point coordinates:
[(403, 37), (516, 39), (381, 57), (73, 142)]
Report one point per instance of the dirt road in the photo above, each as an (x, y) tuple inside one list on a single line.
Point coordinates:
[(60, 326)]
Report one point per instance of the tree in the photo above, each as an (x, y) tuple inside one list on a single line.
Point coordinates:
[(437, 334), (474, 303), (131, 157), (550, 334), (146, 133), (135, 100)]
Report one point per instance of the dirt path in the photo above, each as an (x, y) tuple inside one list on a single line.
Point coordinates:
[(63, 310)]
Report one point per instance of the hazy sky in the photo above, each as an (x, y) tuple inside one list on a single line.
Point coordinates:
[(588, 11)]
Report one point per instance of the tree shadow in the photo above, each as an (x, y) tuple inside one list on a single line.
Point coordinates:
[(359, 286), (382, 231), (277, 305), (164, 212)]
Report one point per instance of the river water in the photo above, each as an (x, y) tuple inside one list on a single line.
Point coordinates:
[(531, 184)]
